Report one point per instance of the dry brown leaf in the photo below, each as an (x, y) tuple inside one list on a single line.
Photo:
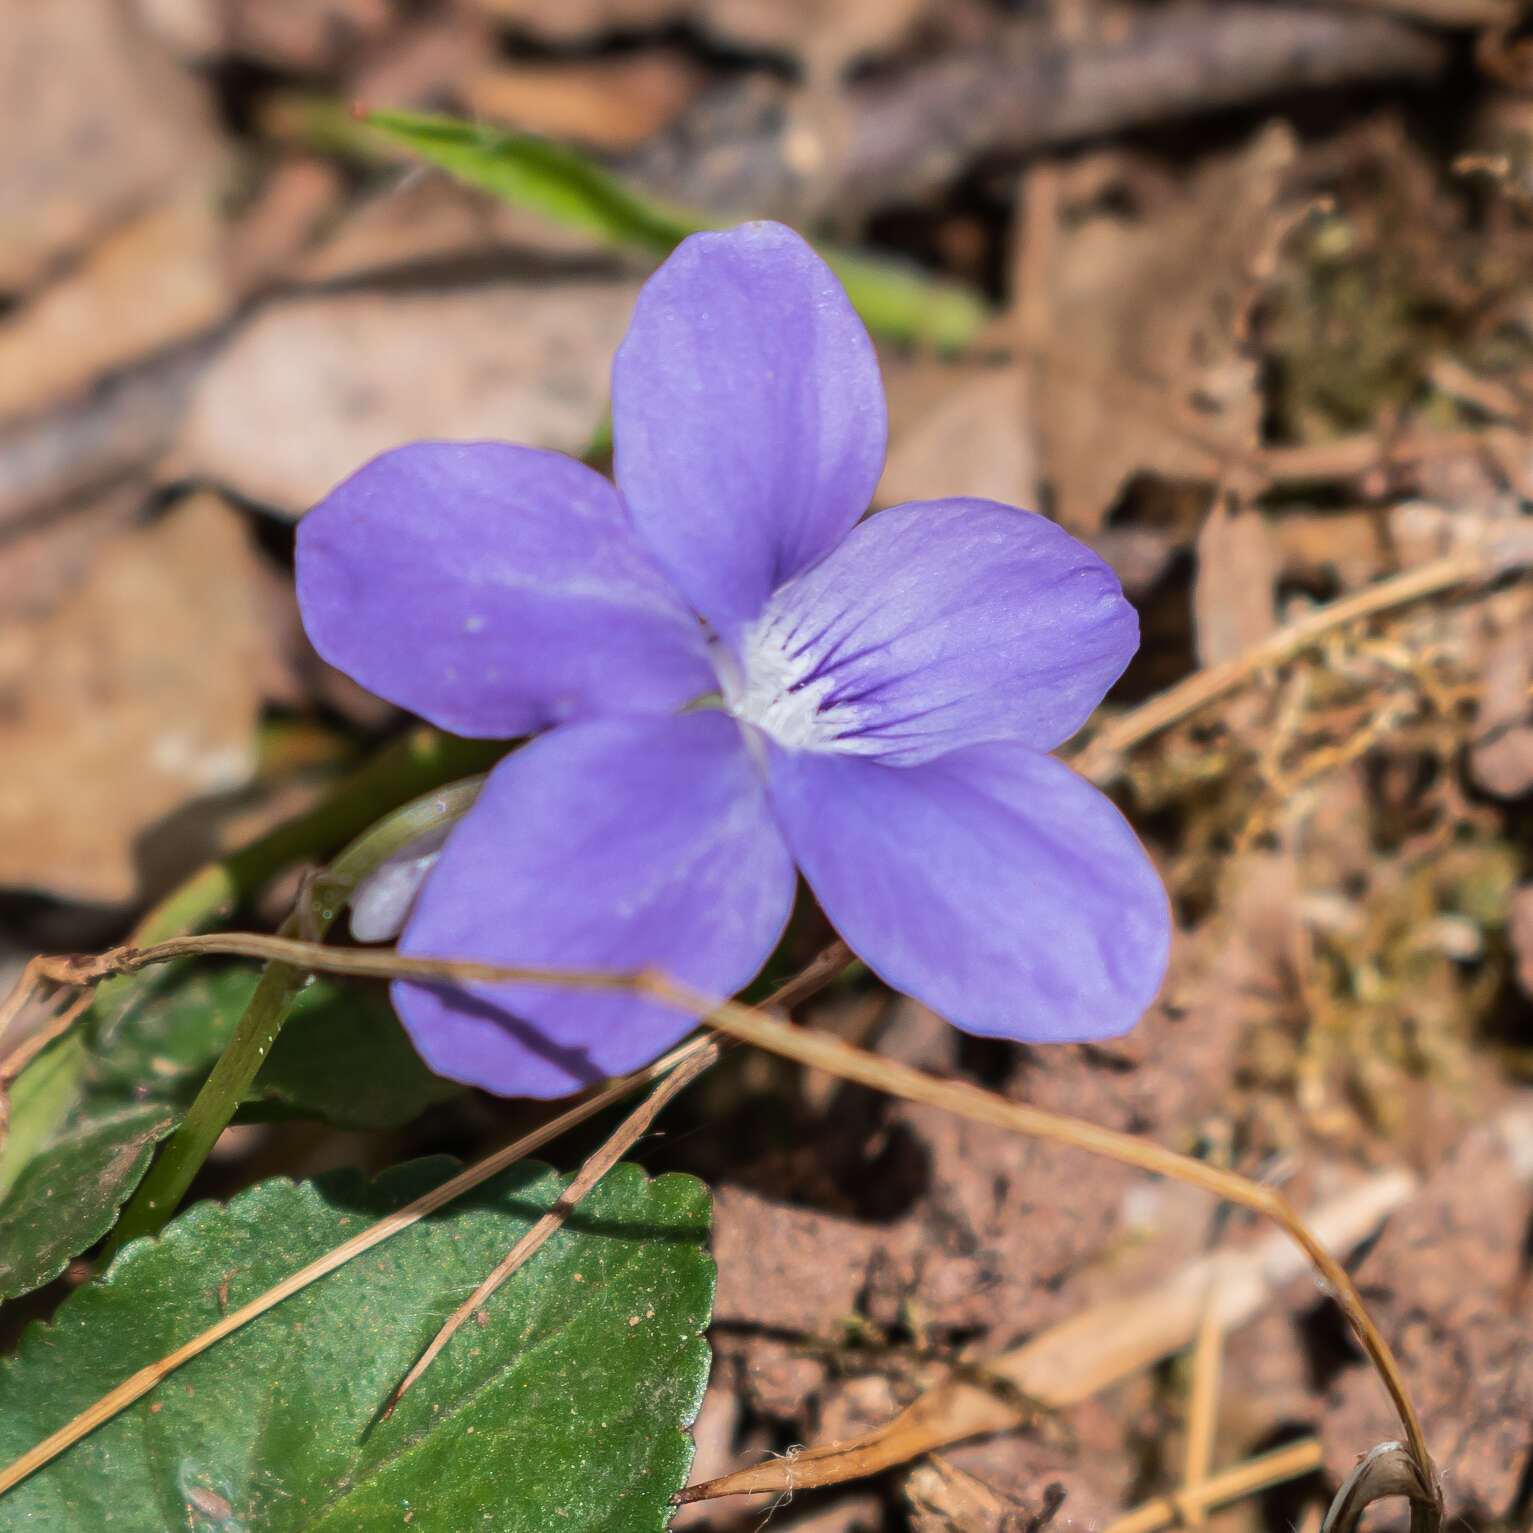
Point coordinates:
[(299, 196), (43, 562), (156, 281), (134, 695), (1520, 935), (313, 388), (1142, 368), (1234, 595), (1448, 1284), (958, 430), (95, 124), (432, 220), (610, 103), (302, 34), (833, 32)]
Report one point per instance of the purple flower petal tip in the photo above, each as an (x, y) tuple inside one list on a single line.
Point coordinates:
[(613, 845), (883, 697), (494, 590), (992, 883), (748, 419)]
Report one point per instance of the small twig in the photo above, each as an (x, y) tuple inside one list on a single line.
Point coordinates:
[(812, 978), (907, 133), (1189, 1507), (1101, 759), (29, 1048), (824, 1052), (29, 983), (1203, 1409), (632, 1129), (364, 963), (818, 972), (1092, 1350)]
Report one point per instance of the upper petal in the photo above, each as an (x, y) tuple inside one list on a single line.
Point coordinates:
[(993, 884), (943, 623), (747, 416), (494, 590), (614, 844)]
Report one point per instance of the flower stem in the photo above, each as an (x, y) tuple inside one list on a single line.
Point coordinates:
[(411, 766), (230, 1080)]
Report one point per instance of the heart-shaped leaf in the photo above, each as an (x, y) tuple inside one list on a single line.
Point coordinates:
[(564, 1408)]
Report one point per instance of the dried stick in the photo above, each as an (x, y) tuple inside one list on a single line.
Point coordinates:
[(903, 135), (1189, 1507), (1101, 758), (632, 1129), (1078, 1358), (1203, 1409), (815, 975), (824, 1052), (29, 1048)]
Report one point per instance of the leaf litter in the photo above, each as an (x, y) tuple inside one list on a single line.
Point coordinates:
[(1270, 361)]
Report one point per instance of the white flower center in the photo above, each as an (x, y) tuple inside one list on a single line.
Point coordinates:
[(783, 686)]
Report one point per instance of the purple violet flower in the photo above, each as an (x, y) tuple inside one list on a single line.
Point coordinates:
[(886, 692)]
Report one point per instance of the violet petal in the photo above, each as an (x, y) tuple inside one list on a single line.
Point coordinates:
[(494, 590), (613, 844), (382, 901), (747, 415), (937, 625), (992, 883)]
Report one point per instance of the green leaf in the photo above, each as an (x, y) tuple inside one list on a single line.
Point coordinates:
[(75, 1087), (565, 1408), (67, 1196), (543, 177), (88, 1113), (896, 299), (344, 1057)]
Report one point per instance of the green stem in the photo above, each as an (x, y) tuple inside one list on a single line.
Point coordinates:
[(229, 1081), (411, 766)]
